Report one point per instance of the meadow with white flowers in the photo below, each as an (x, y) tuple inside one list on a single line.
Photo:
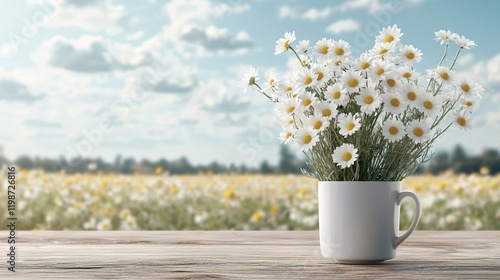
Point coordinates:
[(58, 201), (372, 117)]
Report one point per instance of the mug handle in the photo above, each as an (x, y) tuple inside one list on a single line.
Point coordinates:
[(416, 217)]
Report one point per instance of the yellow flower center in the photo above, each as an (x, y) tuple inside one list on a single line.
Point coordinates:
[(251, 81), (446, 37), (412, 95), (445, 75), (346, 156), (295, 95), (336, 94), (391, 82), (339, 51), (338, 62), (350, 125), (290, 109), (307, 101), (307, 80), (383, 51), (307, 139), (395, 102), (379, 71), (327, 112), (286, 44), (365, 65), (388, 38), (418, 131), (288, 88), (428, 104), (465, 87), (324, 50), (461, 121), (271, 82), (353, 82), (368, 99), (258, 216), (393, 130), (468, 103), (288, 135), (410, 55), (290, 121), (407, 75), (317, 124), (320, 75)]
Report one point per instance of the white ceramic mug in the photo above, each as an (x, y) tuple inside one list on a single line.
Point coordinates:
[(359, 221)]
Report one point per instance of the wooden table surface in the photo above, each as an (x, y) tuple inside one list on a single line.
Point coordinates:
[(242, 254)]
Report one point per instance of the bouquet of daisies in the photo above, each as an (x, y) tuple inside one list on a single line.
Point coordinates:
[(369, 118)]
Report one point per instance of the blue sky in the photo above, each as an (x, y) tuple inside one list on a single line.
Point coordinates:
[(152, 79)]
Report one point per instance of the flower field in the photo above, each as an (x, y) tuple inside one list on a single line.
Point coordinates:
[(57, 201)]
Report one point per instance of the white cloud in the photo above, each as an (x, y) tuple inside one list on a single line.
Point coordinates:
[(372, 6), (7, 49), (287, 12), (313, 14), (92, 16), (90, 54), (135, 36), (465, 59), (343, 26)]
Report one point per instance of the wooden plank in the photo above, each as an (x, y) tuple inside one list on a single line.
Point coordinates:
[(242, 254)]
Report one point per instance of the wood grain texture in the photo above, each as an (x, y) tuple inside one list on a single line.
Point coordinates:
[(242, 254)]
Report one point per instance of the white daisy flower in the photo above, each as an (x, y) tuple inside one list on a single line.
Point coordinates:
[(352, 81), (283, 44), (469, 88), (345, 155), (271, 83), (322, 50), (444, 36), (418, 131), (307, 98), (429, 104), (389, 35), (337, 94), (383, 50), (410, 55), (462, 120), (288, 106), (322, 72), (393, 103), (369, 100), (391, 83), (363, 63), (444, 75), (249, 79), (393, 130), (287, 134), (303, 46), (468, 103), (348, 124), (410, 93), (380, 69), (287, 85), (305, 138), (406, 72), (337, 66), (105, 224), (317, 122), (340, 50), (463, 42), (306, 78), (287, 121), (326, 109)]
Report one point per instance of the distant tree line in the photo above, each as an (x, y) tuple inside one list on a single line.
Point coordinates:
[(288, 163)]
